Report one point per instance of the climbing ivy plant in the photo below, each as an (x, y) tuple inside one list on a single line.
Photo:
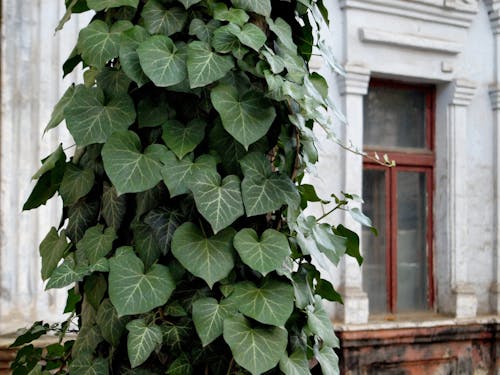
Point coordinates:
[(184, 241)]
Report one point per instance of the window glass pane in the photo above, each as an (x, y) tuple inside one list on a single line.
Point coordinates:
[(374, 247), (412, 245), (394, 118)]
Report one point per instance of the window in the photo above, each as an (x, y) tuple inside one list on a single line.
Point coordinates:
[(399, 121)]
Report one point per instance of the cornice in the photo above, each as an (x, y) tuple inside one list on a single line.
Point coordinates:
[(355, 80), (424, 43), (448, 12), (463, 92)]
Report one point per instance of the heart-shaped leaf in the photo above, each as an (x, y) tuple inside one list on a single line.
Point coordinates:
[(189, 3), (177, 173), (264, 255), (163, 61), (262, 7), (225, 40), (208, 318), (129, 170), (142, 340), (296, 364), (131, 290), (264, 191), (180, 366), (75, 184), (113, 206), (114, 82), (246, 116), (232, 15), (84, 364), (319, 323), (98, 5), (328, 360), (163, 222), (111, 326), (98, 43), (145, 243), (159, 19), (250, 35), (96, 243), (154, 110), (82, 215), (202, 30), (218, 201), (208, 258), (92, 119), (205, 66), (58, 112), (52, 249), (66, 274), (255, 349), (271, 303), (130, 40), (182, 139)]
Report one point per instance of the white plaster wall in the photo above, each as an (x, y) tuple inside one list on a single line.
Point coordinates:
[(31, 80)]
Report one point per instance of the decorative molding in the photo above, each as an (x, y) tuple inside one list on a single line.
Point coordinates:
[(463, 92), (424, 43), (494, 14), (446, 12), (495, 97), (355, 81)]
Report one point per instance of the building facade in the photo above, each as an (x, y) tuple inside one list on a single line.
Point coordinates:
[(422, 85)]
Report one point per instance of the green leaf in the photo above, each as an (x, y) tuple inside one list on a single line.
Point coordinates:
[(94, 288), (98, 43), (232, 15), (178, 173), (91, 119), (71, 302), (283, 31), (204, 66), (114, 82), (174, 336), (208, 258), (225, 40), (142, 340), (182, 139), (58, 112), (52, 249), (271, 303), (129, 170), (180, 366), (201, 30), (328, 360), (266, 254), (255, 349), (131, 290), (153, 111), (252, 36), (219, 202), (296, 364), (82, 215), (246, 116), (75, 184), (264, 191), (88, 338), (361, 218), (130, 40), (111, 326), (328, 242), (37, 330), (208, 318), (51, 162), (65, 274), (163, 61), (96, 243), (352, 244), (159, 19), (98, 5), (189, 3), (230, 150), (325, 289), (262, 7), (145, 243), (84, 364), (319, 323), (163, 222), (113, 206)]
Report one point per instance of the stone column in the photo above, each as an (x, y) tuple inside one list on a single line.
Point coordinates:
[(451, 204), (31, 84), (353, 86), (494, 13)]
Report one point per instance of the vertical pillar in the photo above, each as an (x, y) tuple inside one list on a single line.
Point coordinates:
[(353, 86), (451, 228), (494, 13)]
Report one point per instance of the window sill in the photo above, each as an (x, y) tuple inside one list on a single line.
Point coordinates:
[(414, 320)]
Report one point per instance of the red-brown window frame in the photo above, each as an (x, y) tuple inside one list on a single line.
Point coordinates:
[(412, 160)]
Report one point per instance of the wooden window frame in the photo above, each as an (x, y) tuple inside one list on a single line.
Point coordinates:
[(411, 160)]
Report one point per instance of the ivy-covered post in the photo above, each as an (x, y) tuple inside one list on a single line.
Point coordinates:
[(184, 239)]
